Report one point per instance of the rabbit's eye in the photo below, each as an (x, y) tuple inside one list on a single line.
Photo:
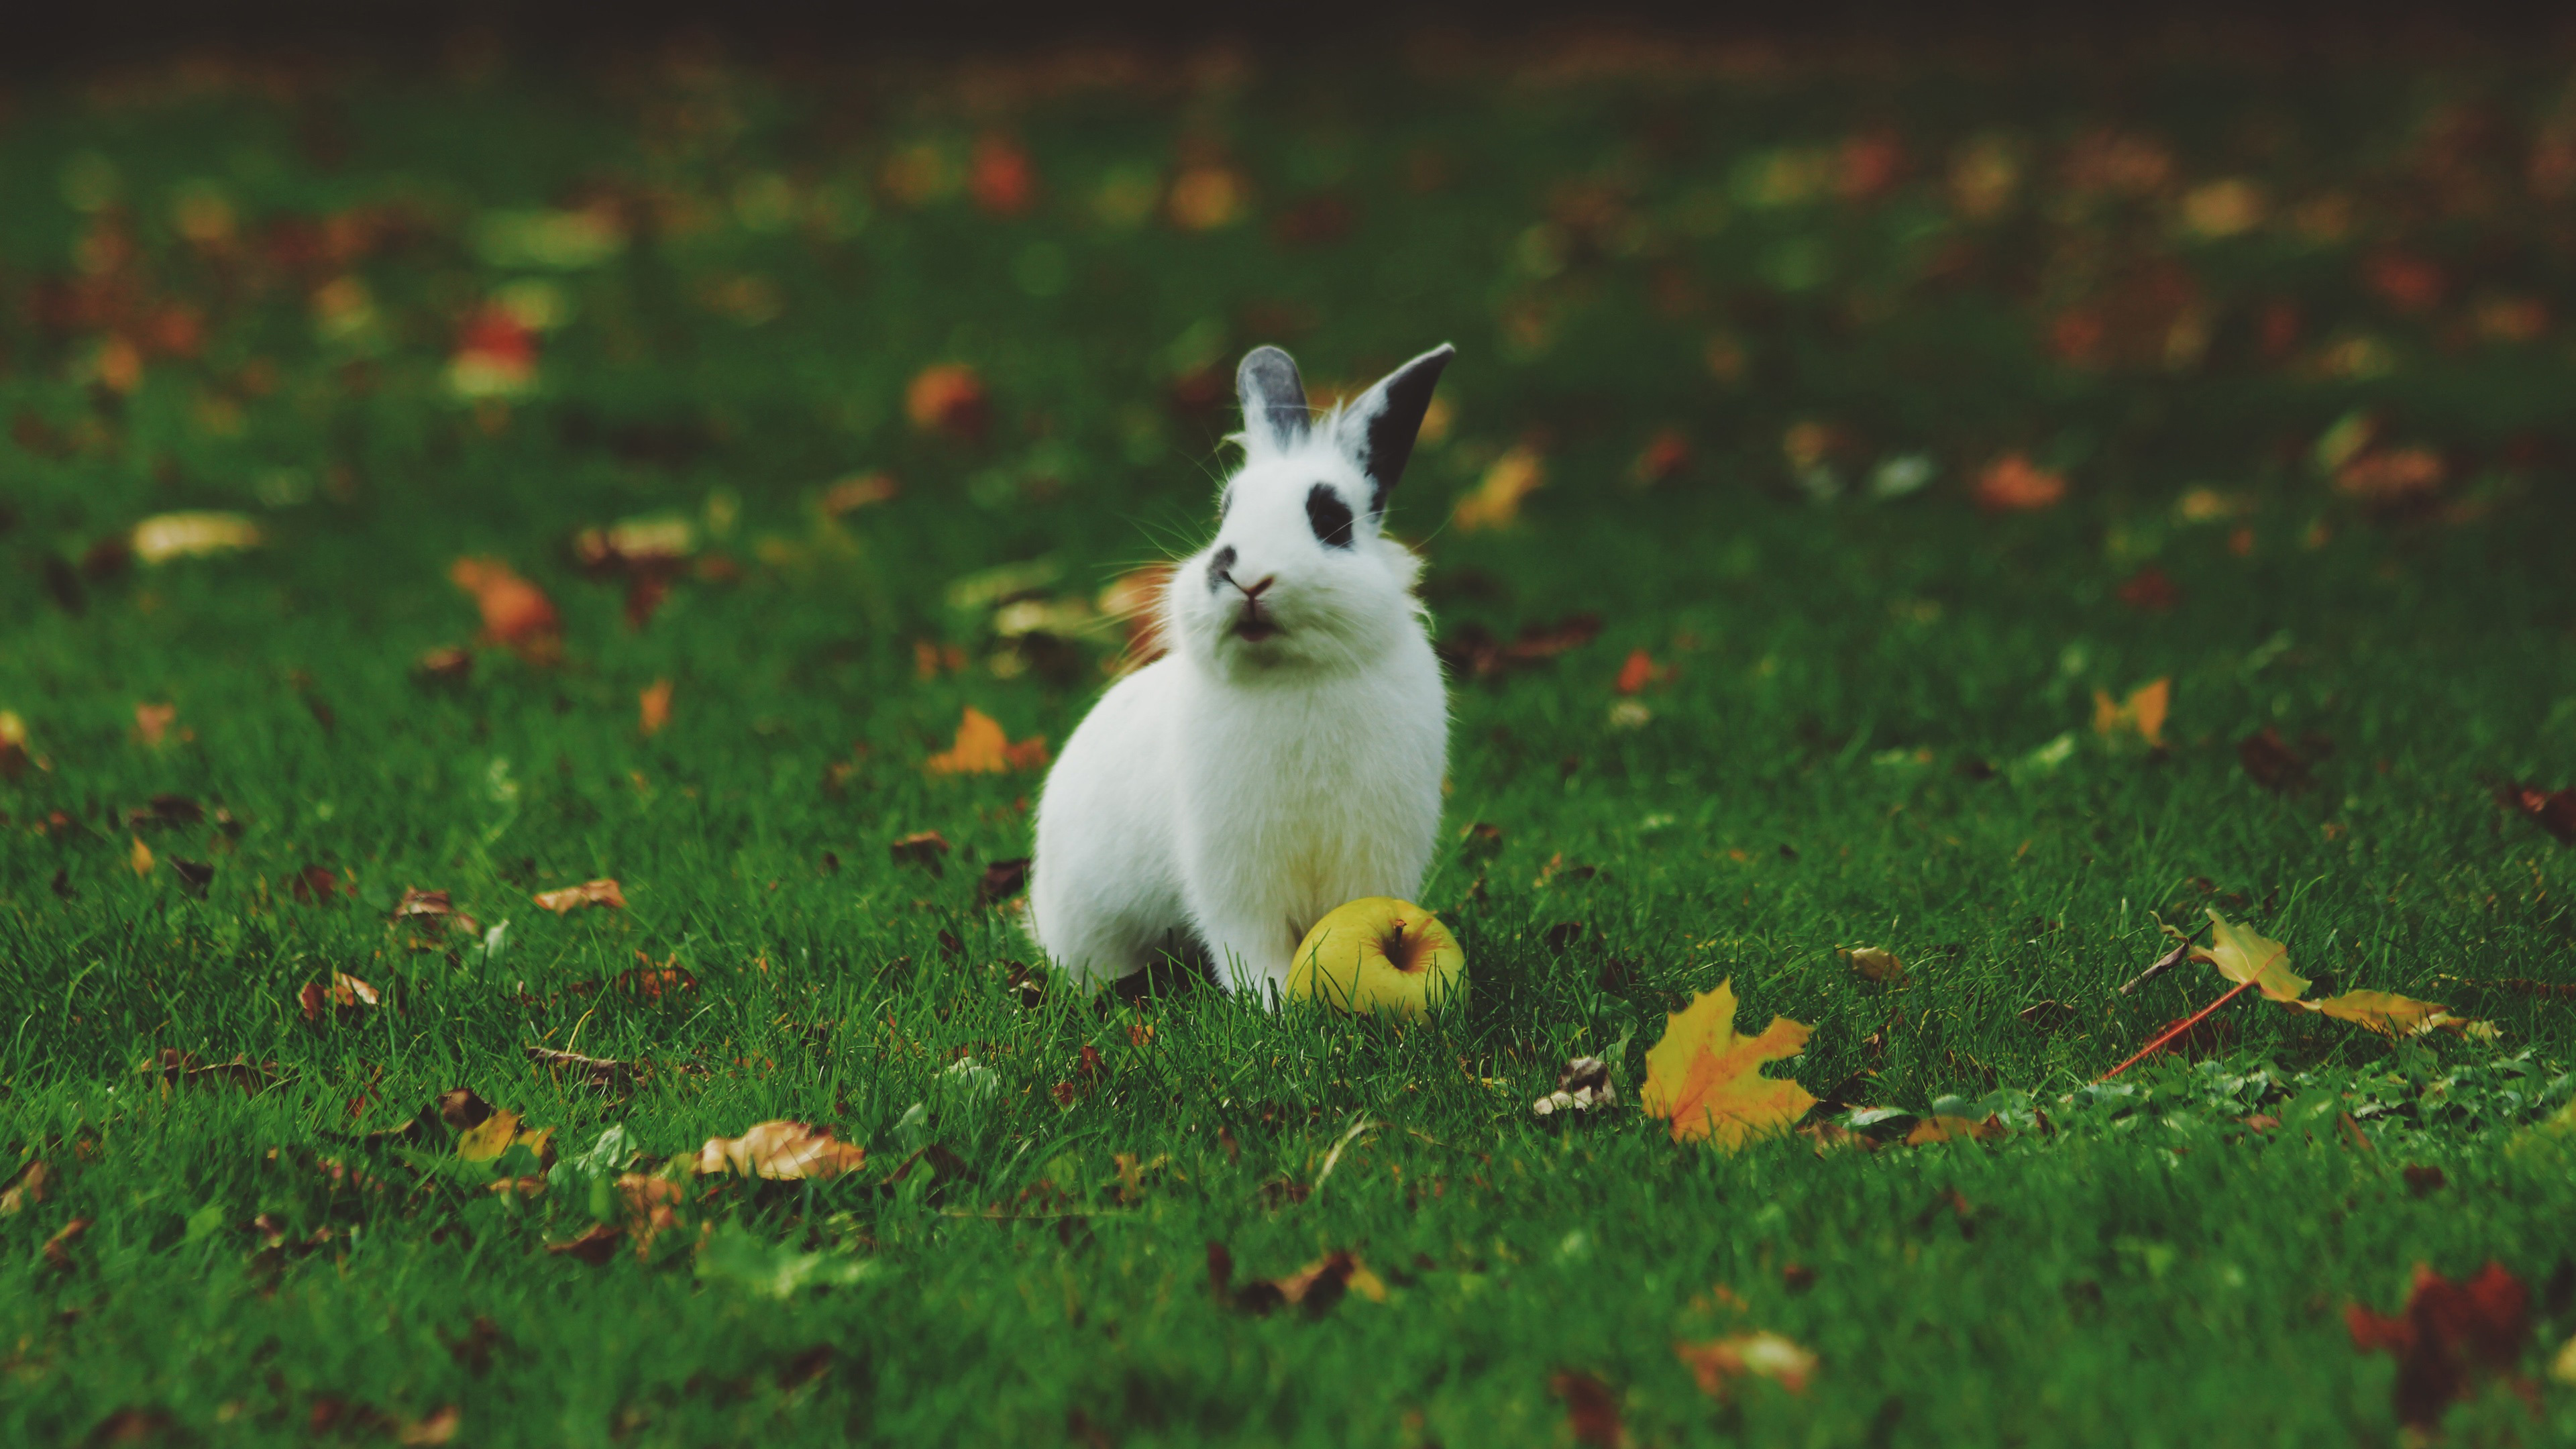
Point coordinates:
[(1330, 516)]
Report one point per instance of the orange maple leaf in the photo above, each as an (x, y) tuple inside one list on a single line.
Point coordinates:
[(2143, 711), (515, 612), (654, 707), (1708, 1080), (589, 893), (983, 748)]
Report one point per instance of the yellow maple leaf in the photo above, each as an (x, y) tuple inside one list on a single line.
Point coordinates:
[(1708, 1080), (2243, 956), (1496, 500), (983, 748), (2390, 1014), (2142, 712), (498, 1133)]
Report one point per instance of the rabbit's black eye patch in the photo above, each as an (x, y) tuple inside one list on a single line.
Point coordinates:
[(1330, 516)]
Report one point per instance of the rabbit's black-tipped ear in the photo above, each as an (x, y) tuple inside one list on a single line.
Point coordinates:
[(1274, 401), (1378, 429)]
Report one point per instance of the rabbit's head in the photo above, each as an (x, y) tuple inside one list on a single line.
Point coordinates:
[(1299, 575)]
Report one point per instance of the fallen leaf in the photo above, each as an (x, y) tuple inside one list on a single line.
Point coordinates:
[(863, 490), (1664, 457), (1000, 176), (1640, 671), (516, 613), (1582, 1085), (599, 1071), (597, 1244), (314, 885), (2448, 1337), (782, 1150), (2241, 955), (920, 848), (1939, 1128), (982, 748), (1718, 1363), (1874, 963), (2273, 764), (1496, 499), (2011, 484), (178, 1068), (167, 536), (58, 1248), (2555, 813), (1002, 880), (1591, 1411), (1206, 197), (502, 1130), (2150, 590), (1708, 1081), (948, 398), (603, 892), (2141, 714), (438, 1427), (152, 723), (2389, 478), (495, 356), (1472, 649), (343, 996), (653, 707), (2390, 1014), (25, 1189), (140, 858), (13, 745)]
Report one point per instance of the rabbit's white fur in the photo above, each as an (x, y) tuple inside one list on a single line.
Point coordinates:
[(1232, 792)]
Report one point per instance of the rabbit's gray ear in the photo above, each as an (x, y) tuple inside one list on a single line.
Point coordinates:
[(1378, 428), (1274, 401)]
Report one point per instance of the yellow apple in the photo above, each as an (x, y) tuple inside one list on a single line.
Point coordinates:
[(1379, 954)]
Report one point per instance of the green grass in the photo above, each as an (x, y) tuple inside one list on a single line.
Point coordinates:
[(1877, 732)]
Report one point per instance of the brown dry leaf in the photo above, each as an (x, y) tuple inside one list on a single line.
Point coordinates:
[(2141, 714), (439, 1427), (1718, 1363), (595, 1246), (25, 1190), (1135, 600), (782, 1150), (2241, 955), (948, 398), (58, 1248), (1496, 499), (167, 536), (1591, 1410), (864, 490), (1708, 1080), (2012, 484), (1874, 963), (600, 1071), (2273, 764), (2447, 1339), (922, 847), (1002, 880), (982, 748), (602, 892), (178, 1068), (1315, 1288), (344, 996), (653, 707), (2150, 590), (140, 858), (516, 613), (2555, 813), (152, 723)]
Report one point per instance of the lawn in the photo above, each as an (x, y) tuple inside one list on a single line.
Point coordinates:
[(1994, 508)]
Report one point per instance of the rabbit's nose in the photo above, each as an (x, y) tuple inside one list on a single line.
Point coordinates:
[(1255, 591)]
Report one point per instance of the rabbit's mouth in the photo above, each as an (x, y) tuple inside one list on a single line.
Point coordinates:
[(1252, 629)]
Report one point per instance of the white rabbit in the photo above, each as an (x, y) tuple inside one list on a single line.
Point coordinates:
[(1285, 757)]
